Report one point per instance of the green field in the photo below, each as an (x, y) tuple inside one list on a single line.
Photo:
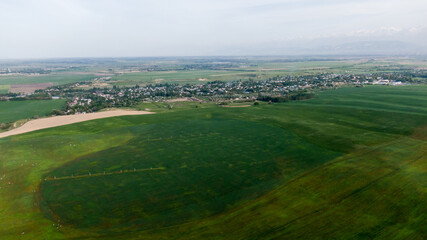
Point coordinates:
[(12, 111), (183, 77), (54, 78), (4, 89), (348, 164)]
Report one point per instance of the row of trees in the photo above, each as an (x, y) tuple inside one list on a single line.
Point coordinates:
[(287, 98)]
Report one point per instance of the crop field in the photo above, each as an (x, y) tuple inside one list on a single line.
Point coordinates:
[(263, 69), (349, 164), (4, 89), (183, 77), (172, 106), (356, 66), (12, 111), (28, 88), (258, 68), (55, 78)]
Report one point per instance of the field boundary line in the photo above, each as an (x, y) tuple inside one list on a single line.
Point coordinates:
[(54, 178)]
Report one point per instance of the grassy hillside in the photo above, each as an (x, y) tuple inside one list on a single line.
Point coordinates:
[(202, 166), (349, 164), (12, 111)]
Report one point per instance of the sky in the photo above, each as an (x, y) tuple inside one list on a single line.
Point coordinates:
[(137, 28)]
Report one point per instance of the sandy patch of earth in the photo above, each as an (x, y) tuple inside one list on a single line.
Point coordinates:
[(96, 84), (179, 100), (56, 121), (29, 88), (184, 99), (273, 69), (101, 84)]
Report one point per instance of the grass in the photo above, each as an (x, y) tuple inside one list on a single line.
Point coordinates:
[(371, 194), (12, 111), (349, 164), (247, 155)]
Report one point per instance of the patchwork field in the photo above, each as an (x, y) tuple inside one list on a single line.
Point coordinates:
[(348, 164), (183, 77), (260, 68), (128, 72)]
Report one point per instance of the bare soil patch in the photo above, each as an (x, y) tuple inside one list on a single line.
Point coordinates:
[(184, 99), (420, 133), (29, 88), (273, 69), (96, 84), (56, 121), (179, 100)]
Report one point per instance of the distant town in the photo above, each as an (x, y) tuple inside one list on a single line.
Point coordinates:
[(86, 97)]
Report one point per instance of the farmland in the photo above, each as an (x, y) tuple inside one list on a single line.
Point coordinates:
[(143, 71), (57, 78), (213, 120), (195, 76), (350, 163), (12, 111), (28, 88), (264, 68), (4, 89)]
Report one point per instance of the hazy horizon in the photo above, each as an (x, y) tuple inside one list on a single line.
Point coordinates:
[(130, 28)]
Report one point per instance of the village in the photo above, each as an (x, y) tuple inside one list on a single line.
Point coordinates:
[(97, 98), (101, 93)]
